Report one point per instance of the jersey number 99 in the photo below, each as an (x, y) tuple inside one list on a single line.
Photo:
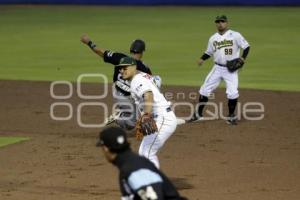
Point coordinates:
[(228, 51)]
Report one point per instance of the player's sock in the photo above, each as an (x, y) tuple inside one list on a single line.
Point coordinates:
[(231, 106), (202, 101)]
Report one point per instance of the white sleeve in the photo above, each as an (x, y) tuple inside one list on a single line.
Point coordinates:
[(241, 41), (210, 48), (140, 85)]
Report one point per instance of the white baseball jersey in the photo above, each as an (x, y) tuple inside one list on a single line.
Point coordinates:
[(226, 47), (142, 83), (164, 117), (223, 48)]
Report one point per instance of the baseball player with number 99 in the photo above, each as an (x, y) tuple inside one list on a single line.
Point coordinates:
[(224, 46)]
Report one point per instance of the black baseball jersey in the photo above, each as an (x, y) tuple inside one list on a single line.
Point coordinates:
[(141, 180), (122, 85)]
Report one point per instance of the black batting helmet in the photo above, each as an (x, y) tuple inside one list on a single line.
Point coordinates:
[(138, 46), (114, 138)]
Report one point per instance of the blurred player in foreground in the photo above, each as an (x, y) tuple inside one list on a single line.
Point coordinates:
[(139, 179)]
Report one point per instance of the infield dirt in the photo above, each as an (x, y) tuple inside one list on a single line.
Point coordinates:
[(207, 160)]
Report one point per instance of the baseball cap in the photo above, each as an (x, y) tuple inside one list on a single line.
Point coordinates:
[(221, 18), (138, 46), (126, 61), (114, 138)]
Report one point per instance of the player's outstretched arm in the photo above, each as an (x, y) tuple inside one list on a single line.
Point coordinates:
[(86, 40)]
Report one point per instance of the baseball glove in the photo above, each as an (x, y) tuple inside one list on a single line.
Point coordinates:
[(235, 64), (145, 125)]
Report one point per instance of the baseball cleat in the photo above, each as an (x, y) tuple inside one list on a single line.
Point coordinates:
[(232, 120), (180, 121), (195, 119)]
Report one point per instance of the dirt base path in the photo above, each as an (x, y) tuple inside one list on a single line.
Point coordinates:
[(208, 160)]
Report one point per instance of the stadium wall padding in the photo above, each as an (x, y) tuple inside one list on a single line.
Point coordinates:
[(160, 2)]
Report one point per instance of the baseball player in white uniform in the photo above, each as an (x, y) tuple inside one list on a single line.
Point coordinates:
[(149, 101), (224, 45), (124, 114)]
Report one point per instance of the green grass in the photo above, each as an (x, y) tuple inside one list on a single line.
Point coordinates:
[(42, 42), (11, 140)]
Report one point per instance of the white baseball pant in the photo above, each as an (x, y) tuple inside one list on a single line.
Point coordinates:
[(166, 123), (213, 79)]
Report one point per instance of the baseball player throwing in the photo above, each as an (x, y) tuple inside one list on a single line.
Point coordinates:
[(224, 46), (157, 121), (125, 114)]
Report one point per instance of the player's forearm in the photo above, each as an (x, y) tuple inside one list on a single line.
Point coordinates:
[(245, 53), (99, 51), (205, 56), (148, 100), (95, 49)]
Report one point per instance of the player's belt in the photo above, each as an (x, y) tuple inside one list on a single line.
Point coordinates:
[(220, 64)]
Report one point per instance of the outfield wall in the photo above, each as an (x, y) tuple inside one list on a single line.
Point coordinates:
[(160, 2)]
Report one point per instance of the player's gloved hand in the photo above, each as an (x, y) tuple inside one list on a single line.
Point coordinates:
[(85, 39), (235, 64), (200, 62), (145, 125)]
